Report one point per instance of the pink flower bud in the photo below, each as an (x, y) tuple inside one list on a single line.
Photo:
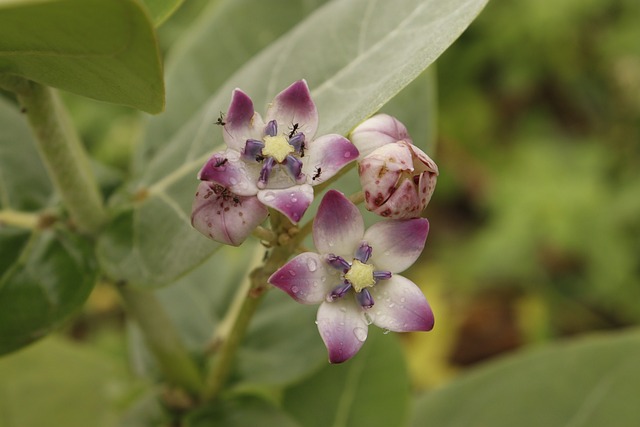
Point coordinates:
[(398, 180)]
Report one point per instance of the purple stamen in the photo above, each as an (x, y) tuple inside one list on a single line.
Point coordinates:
[(253, 150), (272, 128), (296, 142), (338, 263), (338, 291), (364, 298), (293, 166), (363, 253), (381, 275), (265, 172)]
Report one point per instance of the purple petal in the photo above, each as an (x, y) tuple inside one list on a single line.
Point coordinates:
[(292, 202), (396, 243), (294, 105), (400, 306), (343, 328), (242, 122), (224, 216), (338, 226), (377, 131), (231, 173), (306, 278), (329, 154)]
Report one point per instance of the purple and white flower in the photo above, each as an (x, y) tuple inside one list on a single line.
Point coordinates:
[(277, 160), (398, 179), (354, 277)]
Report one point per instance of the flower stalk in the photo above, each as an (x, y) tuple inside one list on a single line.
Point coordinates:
[(63, 155)]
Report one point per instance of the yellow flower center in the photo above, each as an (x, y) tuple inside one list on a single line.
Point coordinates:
[(360, 275), (277, 147)]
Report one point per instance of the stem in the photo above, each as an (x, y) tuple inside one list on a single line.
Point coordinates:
[(62, 152), (248, 299), (19, 219), (162, 338)]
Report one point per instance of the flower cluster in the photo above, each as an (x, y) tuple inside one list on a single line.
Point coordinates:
[(274, 163)]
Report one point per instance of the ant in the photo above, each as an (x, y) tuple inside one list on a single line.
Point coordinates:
[(220, 121), (294, 129), (220, 162), (302, 147), (317, 174)]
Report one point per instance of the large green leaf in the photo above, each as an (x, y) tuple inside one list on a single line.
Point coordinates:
[(50, 277), (355, 55), (590, 382), (57, 383), (160, 10), (240, 412), (102, 49), (372, 389)]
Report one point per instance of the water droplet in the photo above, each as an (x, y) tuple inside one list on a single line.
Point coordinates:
[(312, 264), (360, 333), (368, 318), (292, 273), (269, 196), (386, 331), (294, 199), (233, 181), (403, 299), (294, 289), (343, 309), (347, 154), (323, 279), (316, 322)]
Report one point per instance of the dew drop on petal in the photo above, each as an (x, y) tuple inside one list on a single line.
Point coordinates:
[(403, 299), (294, 289), (347, 154), (368, 318), (269, 196), (360, 333), (386, 331), (292, 273), (312, 264), (233, 181)]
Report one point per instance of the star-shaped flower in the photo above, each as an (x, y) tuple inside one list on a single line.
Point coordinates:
[(277, 159), (354, 277)]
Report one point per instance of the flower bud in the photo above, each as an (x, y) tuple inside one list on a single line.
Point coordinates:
[(397, 177)]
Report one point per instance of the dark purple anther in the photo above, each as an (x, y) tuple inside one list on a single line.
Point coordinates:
[(252, 150), (339, 291), (364, 298), (338, 263), (293, 166), (363, 253), (265, 172), (297, 141), (272, 128), (381, 275)]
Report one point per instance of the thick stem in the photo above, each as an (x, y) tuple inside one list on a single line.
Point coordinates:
[(163, 340), (240, 319), (63, 155), (19, 219)]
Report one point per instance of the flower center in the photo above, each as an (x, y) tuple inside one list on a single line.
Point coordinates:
[(277, 147), (360, 275)]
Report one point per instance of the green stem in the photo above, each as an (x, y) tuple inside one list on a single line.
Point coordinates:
[(19, 219), (247, 299), (162, 338), (62, 152)]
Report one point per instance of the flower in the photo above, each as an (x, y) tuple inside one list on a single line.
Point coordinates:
[(276, 160), (354, 277), (398, 179)]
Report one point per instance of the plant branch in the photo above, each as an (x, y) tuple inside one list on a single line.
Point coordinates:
[(163, 340), (18, 219), (62, 152)]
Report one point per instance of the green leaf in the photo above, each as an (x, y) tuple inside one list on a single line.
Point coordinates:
[(160, 10), (48, 281), (24, 184), (102, 49), (240, 412), (56, 383), (590, 382), (372, 389), (353, 65)]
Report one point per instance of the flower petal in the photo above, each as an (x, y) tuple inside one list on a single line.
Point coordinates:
[(343, 328), (404, 203), (241, 122), (396, 243), (400, 306), (377, 131), (295, 106), (292, 202), (306, 278), (229, 171), (326, 156), (338, 226), (224, 216)]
